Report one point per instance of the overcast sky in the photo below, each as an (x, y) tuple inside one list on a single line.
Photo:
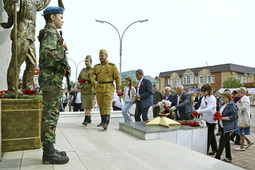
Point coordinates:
[(180, 34)]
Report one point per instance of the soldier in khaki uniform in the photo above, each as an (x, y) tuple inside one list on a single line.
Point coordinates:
[(102, 77)]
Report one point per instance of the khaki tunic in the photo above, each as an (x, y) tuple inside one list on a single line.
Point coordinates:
[(105, 73), (88, 90)]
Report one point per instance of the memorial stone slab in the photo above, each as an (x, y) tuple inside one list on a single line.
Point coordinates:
[(194, 138)]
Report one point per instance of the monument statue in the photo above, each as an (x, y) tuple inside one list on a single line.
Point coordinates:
[(26, 20)]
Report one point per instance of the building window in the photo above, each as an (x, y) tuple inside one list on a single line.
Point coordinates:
[(213, 89), (213, 79), (208, 78), (177, 80), (180, 81), (168, 81), (200, 79), (192, 80), (171, 82), (240, 78), (184, 80), (245, 79), (196, 80), (188, 80)]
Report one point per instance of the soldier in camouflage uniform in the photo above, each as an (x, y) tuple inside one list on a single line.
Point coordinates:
[(53, 67), (103, 75), (88, 90)]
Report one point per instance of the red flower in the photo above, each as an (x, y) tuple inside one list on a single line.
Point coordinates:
[(26, 92), (217, 104), (217, 116), (165, 107), (195, 114), (0, 95), (135, 87), (120, 94), (81, 81), (32, 92)]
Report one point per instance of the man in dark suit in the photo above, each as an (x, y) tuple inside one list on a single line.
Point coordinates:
[(181, 104), (144, 96)]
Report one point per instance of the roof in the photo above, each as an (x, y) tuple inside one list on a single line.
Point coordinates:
[(131, 74), (214, 69)]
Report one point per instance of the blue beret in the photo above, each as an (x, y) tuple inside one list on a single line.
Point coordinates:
[(53, 10)]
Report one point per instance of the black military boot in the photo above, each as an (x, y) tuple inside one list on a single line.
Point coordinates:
[(63, 153), (53, 156), (87, 120), (106, 122), (102, 121), (84, 120)]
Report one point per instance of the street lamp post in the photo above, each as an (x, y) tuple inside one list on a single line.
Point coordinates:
[(76, 67), (121, 37)]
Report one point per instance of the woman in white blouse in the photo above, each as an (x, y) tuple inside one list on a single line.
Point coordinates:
[(207, 109), (243, 108), (129, 98)]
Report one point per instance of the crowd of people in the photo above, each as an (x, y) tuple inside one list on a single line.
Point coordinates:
[(103, 83)]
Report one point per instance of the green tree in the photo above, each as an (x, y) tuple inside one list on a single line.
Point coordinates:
[(73, 84), (232, 82)]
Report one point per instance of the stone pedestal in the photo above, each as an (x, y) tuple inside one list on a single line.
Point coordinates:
[(21, 124), (194, 138), (5, 48)]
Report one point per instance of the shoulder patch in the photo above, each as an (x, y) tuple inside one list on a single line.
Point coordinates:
[(97, 65), (112, 64)]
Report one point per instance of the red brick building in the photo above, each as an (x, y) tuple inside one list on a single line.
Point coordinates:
[(214, 75)]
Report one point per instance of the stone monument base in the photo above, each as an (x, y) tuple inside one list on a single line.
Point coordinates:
[(21, 124), (194, 138)]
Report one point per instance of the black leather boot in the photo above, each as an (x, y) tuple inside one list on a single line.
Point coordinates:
[(88, 120), (63, 153), (106, 122), (53, 156), (102, 120), (84, 120)]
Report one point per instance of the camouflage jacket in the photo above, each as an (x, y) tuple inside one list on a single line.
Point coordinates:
[(87, 87), (51, 62)]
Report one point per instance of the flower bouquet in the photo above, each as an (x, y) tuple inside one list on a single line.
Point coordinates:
[(217, 116), (164, 105), (198, 119), (81, 82)]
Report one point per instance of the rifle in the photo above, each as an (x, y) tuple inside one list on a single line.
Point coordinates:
[(67, 74)]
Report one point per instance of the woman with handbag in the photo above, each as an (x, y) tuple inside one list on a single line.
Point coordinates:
[(228, 122), (244, 121)]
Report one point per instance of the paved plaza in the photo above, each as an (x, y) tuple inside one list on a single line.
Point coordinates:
[(92, 148)]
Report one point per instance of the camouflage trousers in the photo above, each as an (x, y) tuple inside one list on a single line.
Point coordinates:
[(50, 115)]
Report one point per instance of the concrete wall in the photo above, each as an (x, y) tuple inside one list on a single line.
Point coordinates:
[(5, 49)]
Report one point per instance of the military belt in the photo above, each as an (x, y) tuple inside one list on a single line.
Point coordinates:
[(105, 82)]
